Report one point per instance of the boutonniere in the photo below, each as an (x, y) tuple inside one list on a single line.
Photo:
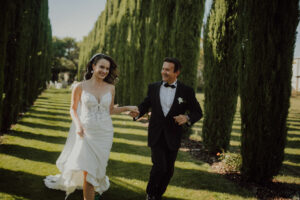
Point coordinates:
[(180, 100)]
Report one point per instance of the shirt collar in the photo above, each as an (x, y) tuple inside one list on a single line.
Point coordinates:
[(174, 83)]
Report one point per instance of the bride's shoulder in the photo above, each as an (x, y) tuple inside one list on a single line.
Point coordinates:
[(77, 86), (111, 87)]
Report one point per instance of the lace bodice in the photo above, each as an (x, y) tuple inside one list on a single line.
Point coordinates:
[(92, 110)]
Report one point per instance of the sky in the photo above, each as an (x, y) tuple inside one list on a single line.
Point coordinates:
[(76, 18)]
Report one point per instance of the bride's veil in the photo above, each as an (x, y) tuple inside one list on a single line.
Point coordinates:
[(69, 144)]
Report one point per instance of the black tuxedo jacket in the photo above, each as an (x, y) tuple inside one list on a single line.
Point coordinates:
[(184, 102)]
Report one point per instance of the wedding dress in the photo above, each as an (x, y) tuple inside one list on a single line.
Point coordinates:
[(90, 153)]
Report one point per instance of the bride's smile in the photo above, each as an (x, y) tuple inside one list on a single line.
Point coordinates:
[(101, 69)]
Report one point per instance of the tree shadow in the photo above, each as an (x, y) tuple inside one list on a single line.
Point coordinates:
[(295, 125), (49, 113), (26, 185), (43, 98), (293, 120), (293, 144), (128, 136), (293, 135), (131, 149), (57, 119), (290, 170), (52, 108), (293, 129), (292, 158), (235, 138), (145, 151), (40, 137), (184, 178), (121, 187), (119, 118), (55, 103), (235, 148), (129, 127), (29, 153), (64, 91), (44, 126), (236, 130)]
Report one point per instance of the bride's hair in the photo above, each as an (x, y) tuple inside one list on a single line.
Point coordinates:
[(112, 76)]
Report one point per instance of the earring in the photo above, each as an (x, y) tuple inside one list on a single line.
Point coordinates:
[(92, 71)]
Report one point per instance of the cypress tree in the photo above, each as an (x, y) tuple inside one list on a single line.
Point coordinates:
[(185, 38), (220, 75), (164, 46), (10, 68), (142, 38), (4, 26), (150, 38), (268, 35), (25, 18)]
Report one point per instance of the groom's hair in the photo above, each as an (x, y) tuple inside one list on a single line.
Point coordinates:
[(175, 61)]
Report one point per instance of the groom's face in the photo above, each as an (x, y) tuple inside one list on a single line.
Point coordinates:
[(167, 72)]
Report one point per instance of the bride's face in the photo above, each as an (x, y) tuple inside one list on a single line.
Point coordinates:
[(101, 69)]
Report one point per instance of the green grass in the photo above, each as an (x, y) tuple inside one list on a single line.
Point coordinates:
[(29, 152), (290, 172)]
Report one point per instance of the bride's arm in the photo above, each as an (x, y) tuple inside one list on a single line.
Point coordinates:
[(76, 94), (118, 110)]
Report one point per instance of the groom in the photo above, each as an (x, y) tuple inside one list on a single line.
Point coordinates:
[(172, 104)]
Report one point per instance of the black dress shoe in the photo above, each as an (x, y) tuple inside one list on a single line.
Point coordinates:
[(149, 197)]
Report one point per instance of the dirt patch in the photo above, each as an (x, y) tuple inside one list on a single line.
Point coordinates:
[(269, 191)]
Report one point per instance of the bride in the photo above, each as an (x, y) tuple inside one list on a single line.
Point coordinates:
[(83, 161)]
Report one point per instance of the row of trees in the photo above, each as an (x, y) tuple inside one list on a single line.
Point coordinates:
[(248, 49), (25, 45), (138, 35)]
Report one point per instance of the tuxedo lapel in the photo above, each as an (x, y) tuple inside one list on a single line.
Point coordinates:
[(157, 97)]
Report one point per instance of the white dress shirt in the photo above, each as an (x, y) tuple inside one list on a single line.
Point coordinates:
[(166, 95)]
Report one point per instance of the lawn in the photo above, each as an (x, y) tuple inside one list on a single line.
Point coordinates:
[(290, 172), (28, 154)]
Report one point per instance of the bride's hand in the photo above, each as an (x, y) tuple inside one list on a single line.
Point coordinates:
[(80, 132), (134, 109)]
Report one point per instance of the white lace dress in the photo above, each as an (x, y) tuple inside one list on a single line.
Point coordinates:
[(90, 153)]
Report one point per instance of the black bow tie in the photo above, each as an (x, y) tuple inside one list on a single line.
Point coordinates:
[(168, 85)]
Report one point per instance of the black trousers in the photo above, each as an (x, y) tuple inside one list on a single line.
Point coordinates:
[(163, 160)]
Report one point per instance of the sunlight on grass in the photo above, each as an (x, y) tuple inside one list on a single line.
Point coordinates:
[(290, 172), (4, 196), (39, 168), (29, 152)]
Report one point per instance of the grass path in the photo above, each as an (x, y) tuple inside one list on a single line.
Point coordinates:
[(290, 171), (29, 152)]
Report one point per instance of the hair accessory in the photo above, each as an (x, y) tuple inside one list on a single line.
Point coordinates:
[(94, 56)]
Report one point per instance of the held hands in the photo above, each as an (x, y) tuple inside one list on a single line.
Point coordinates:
[(134, 111), (181, 119)]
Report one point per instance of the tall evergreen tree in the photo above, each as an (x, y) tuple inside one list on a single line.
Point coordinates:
[(138, 35), (185, 38), (10, 68), (268, 35), (149, 63), (25, 64), (220, 74), (4, 26)]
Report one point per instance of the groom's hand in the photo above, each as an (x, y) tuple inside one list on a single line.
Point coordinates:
[(181, 119), (134, 114)]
